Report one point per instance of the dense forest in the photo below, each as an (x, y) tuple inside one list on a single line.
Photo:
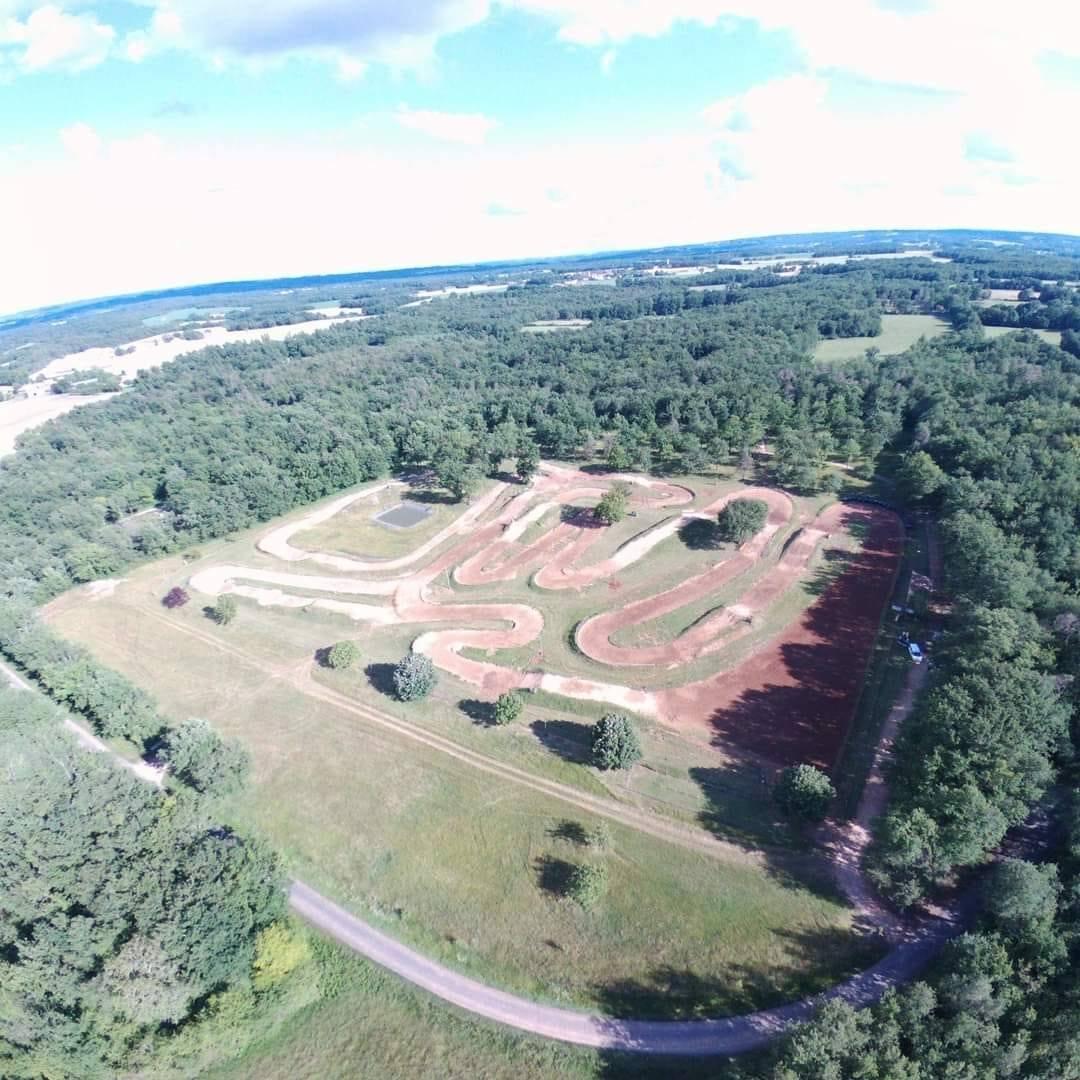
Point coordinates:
[(982, 436)]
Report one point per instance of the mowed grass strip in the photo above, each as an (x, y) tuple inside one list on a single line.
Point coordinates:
[(464, 865)]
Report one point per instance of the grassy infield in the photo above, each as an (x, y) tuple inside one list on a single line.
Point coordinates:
[(460, 863)]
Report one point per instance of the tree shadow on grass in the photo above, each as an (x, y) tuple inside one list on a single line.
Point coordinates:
[(581, 516), (572, 742), (553, 875), (740, 809), (436, 496), (322, 656), (479, 712), (573, 832), (812, 960), (834, 562), (381, 678), (700, 535)]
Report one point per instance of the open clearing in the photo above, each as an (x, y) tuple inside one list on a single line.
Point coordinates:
[(24, 414), (443, 838), (898, 332), (1051, 337), (151, 352)]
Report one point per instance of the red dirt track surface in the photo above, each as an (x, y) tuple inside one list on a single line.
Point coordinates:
[(794, 700)]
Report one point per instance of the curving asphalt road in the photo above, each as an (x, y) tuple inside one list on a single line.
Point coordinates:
[(727, 1037)]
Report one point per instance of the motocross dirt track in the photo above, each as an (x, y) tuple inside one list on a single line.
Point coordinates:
[(789, 699)]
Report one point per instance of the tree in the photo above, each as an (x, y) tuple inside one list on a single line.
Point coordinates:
[(618, 457), (414, 677), (199, 757), (587, 883), (920, 476), (741, 519), (612, 505), (1021, 896), (175, 597), (224, 611), (145, 985), (804, 792), (342, 655), (528, 460), (615, 742), (508, 708)]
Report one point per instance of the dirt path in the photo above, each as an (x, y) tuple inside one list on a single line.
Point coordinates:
[(152, 774), (847, 842)]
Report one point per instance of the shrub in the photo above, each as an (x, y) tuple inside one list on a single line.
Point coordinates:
[(586, 884), (804, 792), (615, 742), (175, 597), (414, 677), (279, 950), (508, 708), (741, 519), (342, 655), (599, 836)]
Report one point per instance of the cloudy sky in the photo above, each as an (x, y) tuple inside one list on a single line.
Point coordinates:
[(148, 143)]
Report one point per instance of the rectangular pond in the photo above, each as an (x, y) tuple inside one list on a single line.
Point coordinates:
[(405, 515)]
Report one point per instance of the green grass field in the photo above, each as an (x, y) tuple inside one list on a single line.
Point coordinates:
[(898, 332), (466, 865), (1051, 337)]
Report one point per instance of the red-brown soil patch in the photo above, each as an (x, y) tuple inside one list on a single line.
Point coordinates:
[(793, 700)]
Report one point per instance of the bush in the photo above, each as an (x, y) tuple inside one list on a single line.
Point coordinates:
[(175, 597), (804, 792), (586, 884), (615, 743), (342, 655), (414, 677), (599, 836), (224, 611), (508, 708), (612, 507), (742, 519)]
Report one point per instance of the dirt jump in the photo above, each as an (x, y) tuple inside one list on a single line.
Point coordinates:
[(787, 698)]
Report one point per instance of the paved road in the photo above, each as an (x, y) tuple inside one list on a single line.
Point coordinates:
[(735, 1035)]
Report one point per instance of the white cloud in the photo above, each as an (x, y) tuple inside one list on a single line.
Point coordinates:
[(51, 38), (80, 140), (233, 211), (346, 33), (470, 129), (947, 44), (350, 69), (607, 61)]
